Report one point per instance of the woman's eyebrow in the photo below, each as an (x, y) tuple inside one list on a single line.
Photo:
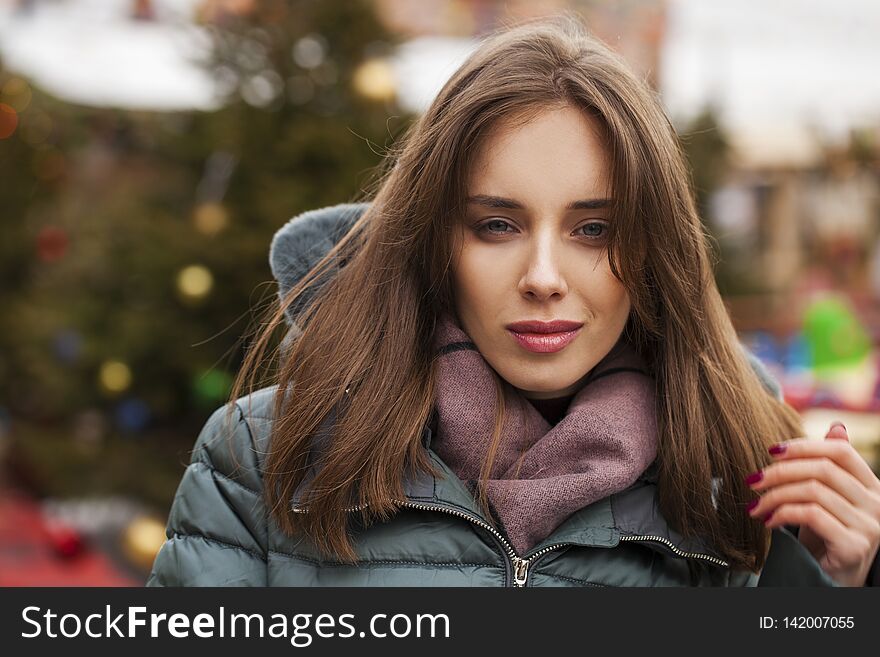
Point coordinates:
[(513, 204)]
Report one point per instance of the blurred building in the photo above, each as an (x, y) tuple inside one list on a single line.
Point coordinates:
[(799, 230), (218, 11), (635, 28)]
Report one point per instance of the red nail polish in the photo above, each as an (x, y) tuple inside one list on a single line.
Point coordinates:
[(767, 517), (778, 449), (755, 477), (751, 505)]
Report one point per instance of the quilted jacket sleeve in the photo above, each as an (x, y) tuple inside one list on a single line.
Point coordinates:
[(217, 525)]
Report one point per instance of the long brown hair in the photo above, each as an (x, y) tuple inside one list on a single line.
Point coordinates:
[(370, 329)]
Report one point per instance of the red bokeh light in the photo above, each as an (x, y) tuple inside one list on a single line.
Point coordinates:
[(8, 121), (52, 243)]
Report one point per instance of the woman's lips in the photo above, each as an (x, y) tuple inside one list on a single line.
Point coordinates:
[(545, 343)]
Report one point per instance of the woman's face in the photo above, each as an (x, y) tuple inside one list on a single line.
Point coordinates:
[(533, 248)]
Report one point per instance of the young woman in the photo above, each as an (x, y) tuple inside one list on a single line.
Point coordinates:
[(513, 367)]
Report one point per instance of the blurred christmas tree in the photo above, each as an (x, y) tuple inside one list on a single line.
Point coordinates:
[(707, 149), (136, 243)]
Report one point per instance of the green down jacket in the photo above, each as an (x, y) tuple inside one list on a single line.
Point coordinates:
[(220, 534)]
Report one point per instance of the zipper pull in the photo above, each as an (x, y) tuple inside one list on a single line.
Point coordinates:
[(520, 571)]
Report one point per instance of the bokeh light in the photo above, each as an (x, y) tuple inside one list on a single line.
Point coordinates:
[(212, 386), (67, 346), (194, 282), (17, 93), (309, 51), (132, 415), (142, 539), (263, 89), (210, 218), (52, 243), (374, 79), (114, 376), (8, 121), (251, 55)]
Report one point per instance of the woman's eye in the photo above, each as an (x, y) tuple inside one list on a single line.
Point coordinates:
[(496, 226), (593, 230)]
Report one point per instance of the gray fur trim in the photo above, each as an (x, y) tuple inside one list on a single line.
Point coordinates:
[(770, 383), (300, 243)]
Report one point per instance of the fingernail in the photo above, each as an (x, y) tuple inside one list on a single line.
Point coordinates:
[(752, 505), (838, 423), (755, 477), (767, 517), (778, 449)]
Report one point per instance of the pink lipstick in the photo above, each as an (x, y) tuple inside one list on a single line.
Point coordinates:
[(544, 337)]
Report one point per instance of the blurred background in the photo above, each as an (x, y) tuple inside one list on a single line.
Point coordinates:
[(150, 149)]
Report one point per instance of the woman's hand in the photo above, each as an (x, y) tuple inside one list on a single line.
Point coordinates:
[(829, 490)]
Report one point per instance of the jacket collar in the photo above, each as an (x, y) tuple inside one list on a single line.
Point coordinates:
[(631, 513)]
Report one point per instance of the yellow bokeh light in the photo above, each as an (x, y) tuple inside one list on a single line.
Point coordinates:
[(210, 218), (114, 376), (195, 282), (374, 79), (17, 93), (142, 539)]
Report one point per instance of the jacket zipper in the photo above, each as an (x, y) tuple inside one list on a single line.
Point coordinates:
[(520, 565), (515, 561), (522, 570), (681, 553)]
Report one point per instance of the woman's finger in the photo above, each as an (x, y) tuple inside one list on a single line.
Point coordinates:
[(840, 451), (846, 547), (812, 491), (833, 533), (820, 469), (837, 431)]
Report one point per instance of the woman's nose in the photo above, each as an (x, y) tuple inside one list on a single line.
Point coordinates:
[(543, 276)]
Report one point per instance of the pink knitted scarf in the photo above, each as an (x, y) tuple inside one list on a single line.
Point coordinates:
[(543, 474)]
